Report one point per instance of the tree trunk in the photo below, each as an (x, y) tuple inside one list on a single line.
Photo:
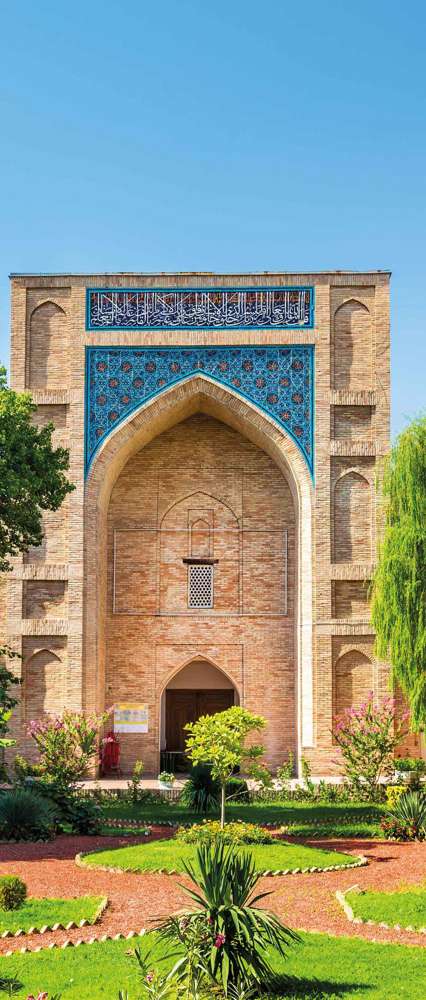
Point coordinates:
[(222, 807)]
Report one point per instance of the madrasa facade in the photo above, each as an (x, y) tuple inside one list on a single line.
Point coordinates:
[(224, 432)]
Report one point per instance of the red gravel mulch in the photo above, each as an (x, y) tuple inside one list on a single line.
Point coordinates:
[(136, 900)]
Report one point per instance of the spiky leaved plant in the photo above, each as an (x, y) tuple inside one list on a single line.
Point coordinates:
[(410, 812), (234, 934)]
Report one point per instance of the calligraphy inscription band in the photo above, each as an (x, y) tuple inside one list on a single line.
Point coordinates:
[(200, 308)]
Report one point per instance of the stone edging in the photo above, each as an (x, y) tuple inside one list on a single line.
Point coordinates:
[(45, 928), (359, 862), (349, 913), (96, 939)]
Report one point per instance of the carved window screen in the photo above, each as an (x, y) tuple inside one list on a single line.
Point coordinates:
[(200, 586)]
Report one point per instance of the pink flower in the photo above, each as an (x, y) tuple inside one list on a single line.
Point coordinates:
[(219, 940), (150, 977)]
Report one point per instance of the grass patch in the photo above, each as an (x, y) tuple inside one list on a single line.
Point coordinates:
[(360, 831), (38, 912), (308, 819), (169, 854), (320, 967), (406, 907)]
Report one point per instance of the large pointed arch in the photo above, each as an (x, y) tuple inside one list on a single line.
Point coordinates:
[(196, 394)]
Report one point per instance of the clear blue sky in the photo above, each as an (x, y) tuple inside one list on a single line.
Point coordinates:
[(223, 136)]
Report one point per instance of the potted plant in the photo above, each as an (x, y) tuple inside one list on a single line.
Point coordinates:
[(409, 769), (166, 780)]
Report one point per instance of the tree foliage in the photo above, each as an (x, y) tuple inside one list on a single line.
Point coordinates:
[(220, 741), (399, 585), (32, 475)]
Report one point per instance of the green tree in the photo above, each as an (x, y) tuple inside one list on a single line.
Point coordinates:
[(32, 475), (7, 703), (220, 741), (399, 584)]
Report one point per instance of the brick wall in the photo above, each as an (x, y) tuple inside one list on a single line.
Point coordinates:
[(88, 639)]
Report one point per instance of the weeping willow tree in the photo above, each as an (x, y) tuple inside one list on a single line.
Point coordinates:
[(399, 584)]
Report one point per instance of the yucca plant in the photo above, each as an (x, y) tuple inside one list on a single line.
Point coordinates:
[(201, 793), (410, 813), (233, 933)]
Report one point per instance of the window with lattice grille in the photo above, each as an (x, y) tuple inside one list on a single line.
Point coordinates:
[(200, 586)]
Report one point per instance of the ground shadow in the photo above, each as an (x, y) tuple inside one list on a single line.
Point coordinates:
[(294, 988)]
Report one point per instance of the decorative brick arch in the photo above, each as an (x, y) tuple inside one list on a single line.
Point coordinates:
[(173, 405), (352, 517), (48, 354), (353, 679), (44, 678), (352, 346)]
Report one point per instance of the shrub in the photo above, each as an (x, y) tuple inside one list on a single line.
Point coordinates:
[(286, 771), (85, 816), (13, 892), (228, 936), (407, 821), (24, 815), (231, 833), (67, 745), (24, 769), (237, 790), (393, 794), (72, 809), (367, 738), (416, 764), (201, 793)]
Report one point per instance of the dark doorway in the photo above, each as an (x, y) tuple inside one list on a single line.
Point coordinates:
[(187, 706)]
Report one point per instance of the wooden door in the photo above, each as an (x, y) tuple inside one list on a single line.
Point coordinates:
[(187, 706)]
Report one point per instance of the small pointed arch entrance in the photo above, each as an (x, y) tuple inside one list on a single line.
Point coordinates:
[(199, 687), (279, 683)]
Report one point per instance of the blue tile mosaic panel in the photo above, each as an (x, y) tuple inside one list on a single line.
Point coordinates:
[(195, 309), (279, 380)]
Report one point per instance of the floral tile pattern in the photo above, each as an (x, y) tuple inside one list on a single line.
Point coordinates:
[(279, 380)]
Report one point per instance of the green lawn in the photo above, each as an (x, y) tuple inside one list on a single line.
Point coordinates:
[(40, 912), (306, 818), (310, 831), (320, 968), (169, 854), (406, 907)]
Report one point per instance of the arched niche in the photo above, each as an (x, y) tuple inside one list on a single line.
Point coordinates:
[(353, 681), (352, 512), (49, 356), (198, 394), (352, 347), (199, 526), (44, 685)]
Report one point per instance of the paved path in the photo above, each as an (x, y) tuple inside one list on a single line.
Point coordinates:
[(305, 902)]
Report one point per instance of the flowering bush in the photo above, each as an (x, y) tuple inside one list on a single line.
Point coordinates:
[(393, 794), (367, 738), (231, 833), (67, 745)]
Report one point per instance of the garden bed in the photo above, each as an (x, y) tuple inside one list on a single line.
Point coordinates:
[(168, 856), (35, 914), (405, 908)]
